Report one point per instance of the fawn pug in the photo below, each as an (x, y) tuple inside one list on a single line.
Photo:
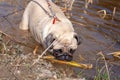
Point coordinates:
[(37, 18)]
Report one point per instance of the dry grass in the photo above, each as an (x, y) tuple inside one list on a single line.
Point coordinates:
[(106, 65), (87, 2), (104, 13), (114, 11)]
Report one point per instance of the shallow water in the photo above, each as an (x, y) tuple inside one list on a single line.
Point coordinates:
[(98, 33)]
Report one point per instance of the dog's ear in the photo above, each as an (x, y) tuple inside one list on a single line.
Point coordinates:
[(49, 39), (78, 38)]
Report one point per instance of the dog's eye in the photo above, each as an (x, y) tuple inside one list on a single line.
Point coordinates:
[(58, 50), (72, 51)]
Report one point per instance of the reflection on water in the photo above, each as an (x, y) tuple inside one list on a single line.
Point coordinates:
[(98, 33)]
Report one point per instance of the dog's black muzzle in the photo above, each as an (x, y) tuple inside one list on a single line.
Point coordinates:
[(63, 56)]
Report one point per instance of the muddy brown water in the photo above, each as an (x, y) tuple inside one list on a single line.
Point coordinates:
[(98, 33)]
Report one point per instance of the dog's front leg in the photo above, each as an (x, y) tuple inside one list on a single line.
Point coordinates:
[(25, 19)]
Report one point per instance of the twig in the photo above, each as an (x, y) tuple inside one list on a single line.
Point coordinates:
[(13, 39), (5, 34), (114, 10), (104, 13), (72, 63), (87, 2), (77, 23), (101, 69), (106, 65), (35, 50), (71, 4), (47, 49), (115, 54), (43, 53)]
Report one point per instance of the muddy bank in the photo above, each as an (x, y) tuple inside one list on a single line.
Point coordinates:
[(15, 64)]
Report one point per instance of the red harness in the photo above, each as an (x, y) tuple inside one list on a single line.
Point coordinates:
[(54, 16), (54, 20)]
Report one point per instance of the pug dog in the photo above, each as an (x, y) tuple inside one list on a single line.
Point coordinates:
[(60, 34)]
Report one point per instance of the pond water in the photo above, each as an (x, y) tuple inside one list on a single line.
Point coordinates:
[(100, 30), (99, 33)]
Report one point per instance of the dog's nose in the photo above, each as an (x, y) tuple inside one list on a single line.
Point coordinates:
[(65, 57)]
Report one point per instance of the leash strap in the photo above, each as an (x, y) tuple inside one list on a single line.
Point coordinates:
[(50, 8), (42, 8)]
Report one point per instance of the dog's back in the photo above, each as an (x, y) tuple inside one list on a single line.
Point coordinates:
[(39, 22)]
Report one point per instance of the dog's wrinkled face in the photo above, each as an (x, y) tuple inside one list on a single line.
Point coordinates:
[(64, 46)]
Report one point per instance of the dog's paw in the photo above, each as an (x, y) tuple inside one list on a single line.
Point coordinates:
[(22, 26)]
